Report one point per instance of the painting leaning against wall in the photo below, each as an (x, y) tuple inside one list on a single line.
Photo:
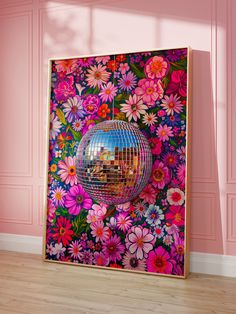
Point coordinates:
[(151, 91)]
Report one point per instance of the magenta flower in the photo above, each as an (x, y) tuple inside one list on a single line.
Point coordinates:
[(113, 248), (91, 104), (100, 259), (176, 215), (123, 222), (156, 145), (150, 91), (160, 175), (108, 92), (159, 261), (178, 83), (139, 241), (177, 250), (65, 89), (75, 249), (164, 132), (181, 172), (76, 199)]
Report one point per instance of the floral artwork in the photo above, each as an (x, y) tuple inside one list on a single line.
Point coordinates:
[(148, 90)]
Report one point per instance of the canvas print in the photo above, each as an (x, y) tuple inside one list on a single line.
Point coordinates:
[(150, 91)]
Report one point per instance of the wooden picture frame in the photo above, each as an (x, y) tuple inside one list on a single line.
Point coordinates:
[(151, 233)]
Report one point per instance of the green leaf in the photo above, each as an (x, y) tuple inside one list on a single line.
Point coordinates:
[(89, 91), (165, 81), (137, 71), (55, 176), (61, 116), (77, 135)]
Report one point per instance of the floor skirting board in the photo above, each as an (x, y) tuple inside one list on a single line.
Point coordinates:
[(204, 263)]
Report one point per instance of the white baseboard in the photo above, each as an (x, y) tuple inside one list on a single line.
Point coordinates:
[(212, 264)]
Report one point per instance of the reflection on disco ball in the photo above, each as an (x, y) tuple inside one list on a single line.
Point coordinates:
[(113, 162)]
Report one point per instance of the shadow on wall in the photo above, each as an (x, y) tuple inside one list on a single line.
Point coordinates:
[(78, 28)]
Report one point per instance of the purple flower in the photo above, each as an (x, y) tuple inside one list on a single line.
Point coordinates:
[(173, 55), (76, 199), (177, 249), (65, 89), (127, 82), (87, 257), (73, 108), (113, 248)]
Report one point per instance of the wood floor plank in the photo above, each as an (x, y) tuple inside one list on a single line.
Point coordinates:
[(30, 286)]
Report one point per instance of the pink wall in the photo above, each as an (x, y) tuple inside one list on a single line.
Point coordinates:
[(33, 30)]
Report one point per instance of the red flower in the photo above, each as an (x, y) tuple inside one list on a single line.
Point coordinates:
[(63, 231), (114, 265), (103, 111), (176, 215), (156, 145), (62, 139), (178, 83), (112, 65), (121, 58)]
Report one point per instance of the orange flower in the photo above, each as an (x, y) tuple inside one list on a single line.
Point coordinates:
[(103, 111)]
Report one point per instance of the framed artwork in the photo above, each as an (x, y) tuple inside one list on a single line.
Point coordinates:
[(151, 91)]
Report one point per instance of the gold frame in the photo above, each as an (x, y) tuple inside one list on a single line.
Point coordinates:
[(188, 166)]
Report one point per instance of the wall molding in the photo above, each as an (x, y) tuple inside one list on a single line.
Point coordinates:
[(211, 264)]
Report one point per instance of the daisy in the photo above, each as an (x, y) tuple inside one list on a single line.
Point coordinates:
[(108, 92), (124, 222), (68, 170), (100, 259), (133, 108), (55, 126), (77, 125), (139, 241), (140, 209), (49, 249), (172, 104), (175, 196), (113, 248), (127, 82), (130, 261), (58, 196), (75, 249), (103, 59), (100, 232), (182, 152), (181, 172), (149, 119), (168, 240), (73, 108), (97, 75), (164, 132), (58, 250), (62, 232)]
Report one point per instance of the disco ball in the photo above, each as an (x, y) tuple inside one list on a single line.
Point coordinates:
[(113, 162)]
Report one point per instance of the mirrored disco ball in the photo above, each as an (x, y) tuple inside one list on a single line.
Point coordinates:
[(114, 162)]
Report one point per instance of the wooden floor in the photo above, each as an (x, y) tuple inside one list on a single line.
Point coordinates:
[(30, 286)]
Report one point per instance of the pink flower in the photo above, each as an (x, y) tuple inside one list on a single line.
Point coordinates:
[(130, 261), (97, 213), (76, 199), (91, 103), (100, 259), (125, 207), (66, 66), (123, 222), (164, 132), (156, 67), (178, 83), (172, 104), (113, 248), (150, 91), (175, 196), (65, 89), (124, 67), (100, 232), (97, 75), (159, 261), (75, 250), (148, 194), (181, 172), (108, 92), (68, 171), (156, 145), (133, 108), (127, 82), (149, 119), (175, 215), (177, 250), (139, 241), (58, 196), (160, 175)]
